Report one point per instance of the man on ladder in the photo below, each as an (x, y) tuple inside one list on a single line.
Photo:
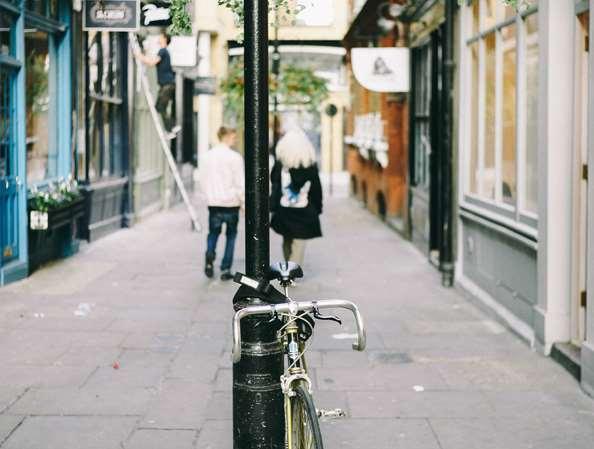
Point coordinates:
[(166, 80)]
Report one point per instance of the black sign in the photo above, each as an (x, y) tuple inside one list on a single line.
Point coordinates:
[(156, 14), (205, 85), (111, 15)]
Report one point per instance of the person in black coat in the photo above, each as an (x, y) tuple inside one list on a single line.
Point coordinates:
[(296, 194)]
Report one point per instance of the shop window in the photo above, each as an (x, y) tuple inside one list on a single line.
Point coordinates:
[(421, 118), (41, 135), (5, 34), (532, 51), (6, 128), (104, 114), (474, 117), (497, 109), (488, 189), (47, 8), (508, 119)]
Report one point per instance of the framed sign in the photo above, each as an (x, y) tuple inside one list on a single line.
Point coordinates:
[(111, 15), (382, 69), (155, 14), (205, 85)]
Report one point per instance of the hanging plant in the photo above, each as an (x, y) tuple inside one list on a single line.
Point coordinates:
[(181, 22), (295, 86)]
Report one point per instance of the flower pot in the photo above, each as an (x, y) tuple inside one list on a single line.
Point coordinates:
[(59, 239)]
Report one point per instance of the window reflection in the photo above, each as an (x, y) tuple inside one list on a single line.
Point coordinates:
[(532, 82), (105, 99), (5, 35), (41, 148), (490, 108), (474, 134), (508, 129)]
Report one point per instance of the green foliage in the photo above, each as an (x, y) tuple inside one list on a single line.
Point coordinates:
[(297, 86), (37, 80), (55, 195), (181, 22)]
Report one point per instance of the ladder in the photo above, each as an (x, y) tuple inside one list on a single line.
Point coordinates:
[(165, 147)]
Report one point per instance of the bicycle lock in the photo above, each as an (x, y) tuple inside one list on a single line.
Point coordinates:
[(258, 415)]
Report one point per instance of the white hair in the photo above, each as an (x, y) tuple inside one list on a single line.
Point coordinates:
[(295, 150)]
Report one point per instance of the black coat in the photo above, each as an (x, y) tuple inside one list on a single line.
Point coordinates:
[(302, 219)]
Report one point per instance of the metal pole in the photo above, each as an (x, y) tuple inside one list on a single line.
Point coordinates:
[(275, 73), (258, 414), (446, 256)]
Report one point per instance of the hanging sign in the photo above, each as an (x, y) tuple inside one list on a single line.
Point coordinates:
[(382, 69), (111, 15), (156, 14), (205, 85)]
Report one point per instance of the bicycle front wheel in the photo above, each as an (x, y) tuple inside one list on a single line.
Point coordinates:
[(305, 428)]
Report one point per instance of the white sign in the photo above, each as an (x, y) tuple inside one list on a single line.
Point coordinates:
[(183, 51), (369, 136), (38, 221), (382, 69)]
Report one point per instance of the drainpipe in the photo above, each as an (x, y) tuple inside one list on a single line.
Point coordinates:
[(446, 256)]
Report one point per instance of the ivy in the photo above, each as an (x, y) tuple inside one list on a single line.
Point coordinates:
[(181, 22)]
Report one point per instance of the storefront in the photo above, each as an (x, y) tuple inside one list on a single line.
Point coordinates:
[(524, 158), (35, 118), (377, 125), (103, 153), (430, 199)]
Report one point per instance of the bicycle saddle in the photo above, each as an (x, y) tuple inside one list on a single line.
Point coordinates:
[(285, 272)]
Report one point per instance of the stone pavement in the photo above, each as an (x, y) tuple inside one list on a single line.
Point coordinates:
[(126, 345)]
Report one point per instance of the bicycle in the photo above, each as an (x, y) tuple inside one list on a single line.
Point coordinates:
[(296, 328)]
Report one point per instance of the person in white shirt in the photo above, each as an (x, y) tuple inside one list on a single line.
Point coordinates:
[(221, 178)]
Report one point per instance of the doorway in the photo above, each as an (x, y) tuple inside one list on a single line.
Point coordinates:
[(580, 184)]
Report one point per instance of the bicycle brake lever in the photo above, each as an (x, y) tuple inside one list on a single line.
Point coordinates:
[(318, 316)]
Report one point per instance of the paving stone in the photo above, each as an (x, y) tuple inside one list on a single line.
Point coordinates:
[(216, 434), (179, 404), (379, 434), (89, 356), (169, 328), (398, 377), (136, 368), (154, 342), (9, 395), (25, 376), (199, 368), (80, 432), (8, 424), (161, 439), (109, 400), (427, 404)]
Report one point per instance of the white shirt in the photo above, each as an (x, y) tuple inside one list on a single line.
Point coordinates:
[(221, 177)]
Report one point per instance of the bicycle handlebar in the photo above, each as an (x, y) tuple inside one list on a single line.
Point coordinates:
[(293, 308)]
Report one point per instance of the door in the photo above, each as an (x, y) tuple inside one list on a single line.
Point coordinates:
[(426, 143), (580, 216), (421, 148), (9, 183)]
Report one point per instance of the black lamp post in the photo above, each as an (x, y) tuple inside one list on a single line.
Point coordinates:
[(258, 414)]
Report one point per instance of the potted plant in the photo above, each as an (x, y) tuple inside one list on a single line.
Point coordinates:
[(54, 210)]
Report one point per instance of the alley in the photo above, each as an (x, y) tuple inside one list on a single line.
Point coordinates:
[(126, 345)]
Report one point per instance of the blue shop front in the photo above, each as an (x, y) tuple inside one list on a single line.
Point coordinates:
[(36, 150)]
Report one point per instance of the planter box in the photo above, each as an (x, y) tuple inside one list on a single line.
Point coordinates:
[(59, 239)]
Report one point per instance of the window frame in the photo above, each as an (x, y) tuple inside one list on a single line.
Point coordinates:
[(512, 215), (58, 32)]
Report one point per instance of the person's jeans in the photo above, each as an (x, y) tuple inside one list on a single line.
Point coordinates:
[(165, 96), (217, 216)]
